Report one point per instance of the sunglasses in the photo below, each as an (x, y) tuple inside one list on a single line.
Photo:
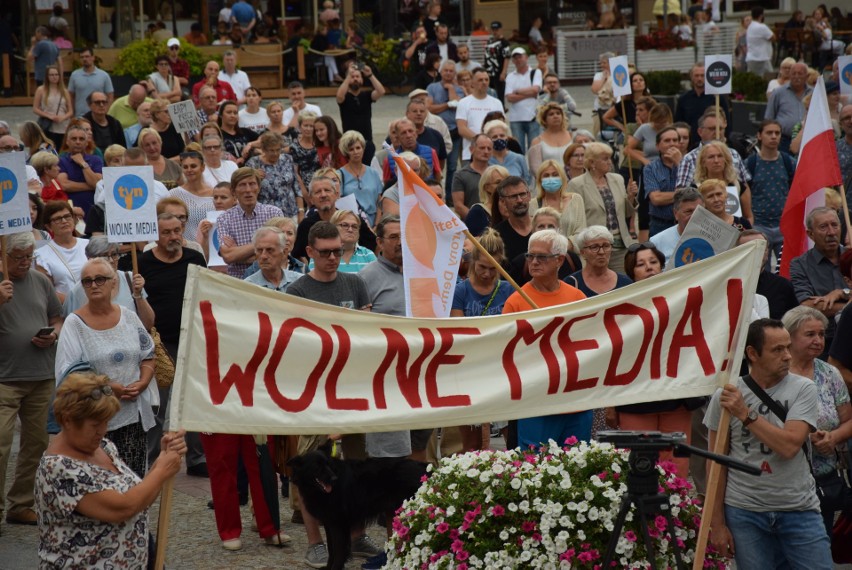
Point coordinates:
[(100, 280), (338, 253), (100, 392)]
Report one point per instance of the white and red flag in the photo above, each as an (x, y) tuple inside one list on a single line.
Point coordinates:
[(817, 168), (432, 246)]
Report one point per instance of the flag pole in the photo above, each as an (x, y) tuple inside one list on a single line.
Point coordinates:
[(713, 489), (3, 259), (718, 126), (845, 210), (499, 268), (163, 521), (629, 160)]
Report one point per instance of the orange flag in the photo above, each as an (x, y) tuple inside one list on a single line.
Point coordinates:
[(432, 246)]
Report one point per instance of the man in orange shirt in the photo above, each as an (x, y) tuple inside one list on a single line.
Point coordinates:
[(545, 254)]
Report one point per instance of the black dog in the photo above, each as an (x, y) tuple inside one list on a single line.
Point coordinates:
[(344, 495)]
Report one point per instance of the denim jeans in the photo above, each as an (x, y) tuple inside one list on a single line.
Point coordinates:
[(525, 132), (779, 539), (775, 240)]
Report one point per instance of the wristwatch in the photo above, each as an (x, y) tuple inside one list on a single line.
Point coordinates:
[(750, 417), (846, 293)]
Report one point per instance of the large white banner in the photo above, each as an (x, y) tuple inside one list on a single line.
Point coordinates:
[(14, 203), (131, 207), (258, 362)]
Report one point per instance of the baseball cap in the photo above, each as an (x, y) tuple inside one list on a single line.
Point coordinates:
[(173, 42), (417, 93), (519, 51), (496, 24)]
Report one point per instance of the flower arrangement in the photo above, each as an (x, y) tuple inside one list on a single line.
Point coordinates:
[(662, 40), (555, 508)]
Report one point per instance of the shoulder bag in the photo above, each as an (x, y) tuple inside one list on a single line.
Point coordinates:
[(164, 366)]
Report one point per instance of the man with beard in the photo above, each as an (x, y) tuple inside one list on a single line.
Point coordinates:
[(816, 273), (164, 268), (324, 194), (356, 104), (515, 230)]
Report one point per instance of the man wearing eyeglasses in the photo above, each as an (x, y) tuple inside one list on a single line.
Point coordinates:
[(545, 254), (30, 321), (85, 81), (106, 130), (515, 230)]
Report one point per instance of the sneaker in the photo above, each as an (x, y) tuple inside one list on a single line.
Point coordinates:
[(279, 539), (232, 544), (377, 562), (365, 547), (316, 556)]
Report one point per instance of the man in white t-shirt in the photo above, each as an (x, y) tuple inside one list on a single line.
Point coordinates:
[(472, 110), (238, 79), (759, 40), (297, 105), (522, 88)]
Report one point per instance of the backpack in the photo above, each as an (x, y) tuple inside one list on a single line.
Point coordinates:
[(789, 165)]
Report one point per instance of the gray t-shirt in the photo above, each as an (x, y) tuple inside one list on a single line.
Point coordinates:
[(385, 287), (786, 484), (647, 137), (347, 290), (466, 180), (33, 305)]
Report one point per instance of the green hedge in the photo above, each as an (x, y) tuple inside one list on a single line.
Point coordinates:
[(139, 57)]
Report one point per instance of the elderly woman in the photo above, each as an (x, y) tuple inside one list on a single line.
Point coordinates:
[(479, 216), (715, 162), (807, 327), (355, 257), (545, 218), (554, 139), (194, 192), (110, 339), (573, 158), (171, 141), (358, 178), (92, 507), (162, 83), (643, 260), (606, 200), (498, 132), (217, 167), (279, 186), (62, 258), (596, 278), (46, 165), (166, 171), (715, 194), (551, 191)]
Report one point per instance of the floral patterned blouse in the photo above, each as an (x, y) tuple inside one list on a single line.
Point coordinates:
[(832, 393), (68, 539), (306, 161), (279, 187)]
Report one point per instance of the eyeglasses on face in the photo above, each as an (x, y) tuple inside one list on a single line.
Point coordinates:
[(100, 280), (599, 247), (329, 252), (345, 226), (99, 101), (19, 258), (100, 392), (542, 257), (634, 247), (65, 218), (516, 197), (212, 148)]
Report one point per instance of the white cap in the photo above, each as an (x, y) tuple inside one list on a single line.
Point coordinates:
[(173, 42), (519, 51), (417, 93)]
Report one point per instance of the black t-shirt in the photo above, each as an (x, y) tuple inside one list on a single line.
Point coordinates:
[(105, 136), (778, 291), (164, 284), (366, 238), (433, 139), (236, 143), (515, 243), (173, 143), (841, 348), (356, 113)]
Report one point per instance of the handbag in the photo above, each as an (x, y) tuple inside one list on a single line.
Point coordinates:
[(832, 488), (164, 366), (44, 123)]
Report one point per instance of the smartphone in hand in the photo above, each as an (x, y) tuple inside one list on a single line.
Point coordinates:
[(45, 331)]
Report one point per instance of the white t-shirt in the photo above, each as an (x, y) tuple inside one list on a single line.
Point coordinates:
[(213, 176), (523, 110), (473, 111), (239, 82), (758, 40), (288, 113), (257, 122), (62, 264)]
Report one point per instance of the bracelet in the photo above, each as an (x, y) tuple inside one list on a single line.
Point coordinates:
[(301, 209), (136, 296)]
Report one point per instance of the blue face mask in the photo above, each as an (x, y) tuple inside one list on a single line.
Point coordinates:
[(551, 184), (500, 144)]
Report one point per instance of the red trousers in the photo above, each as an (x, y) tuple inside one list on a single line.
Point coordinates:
[(222, 450), (679, 420)]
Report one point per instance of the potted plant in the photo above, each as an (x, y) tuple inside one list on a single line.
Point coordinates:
[(537, 509), (665, 86)]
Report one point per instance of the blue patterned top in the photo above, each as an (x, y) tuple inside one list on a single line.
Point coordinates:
[(832, 393)]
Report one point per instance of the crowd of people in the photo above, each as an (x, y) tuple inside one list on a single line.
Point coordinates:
[(494, 140)]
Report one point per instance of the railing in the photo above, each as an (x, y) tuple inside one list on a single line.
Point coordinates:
[(577, 52)]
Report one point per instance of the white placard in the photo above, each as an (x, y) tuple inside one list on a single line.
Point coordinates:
[(131, 207), (213, 257), (703, 237), (620, 72), (733, 205), (844, 68), (14, 202), (718, 74), (349, 202), (184, 117)]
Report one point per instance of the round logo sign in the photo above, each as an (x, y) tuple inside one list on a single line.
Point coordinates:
[(130, 192), (718, 74), (732, 203), (692, 250), (215, 238), (846, 75), (8, 185), (620, 76)]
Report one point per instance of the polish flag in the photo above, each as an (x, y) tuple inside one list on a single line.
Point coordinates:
[(432, 246), (817, 168)]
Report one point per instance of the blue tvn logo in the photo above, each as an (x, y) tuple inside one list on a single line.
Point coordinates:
[(130, 192), (692, 250), (216, 238), (846, 74), (620, 76), (8, 186)]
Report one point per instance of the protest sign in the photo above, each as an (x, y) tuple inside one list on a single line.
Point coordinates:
[(255, 361), (14, 202), (733, 205), (718, 74), (214, 259), (844, 67), (619, 71), (703, 237), (184, 117), (131, 208)]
